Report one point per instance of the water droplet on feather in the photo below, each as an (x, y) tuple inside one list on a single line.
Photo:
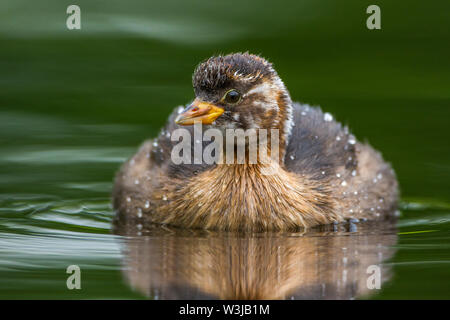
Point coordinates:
[(327, 117)]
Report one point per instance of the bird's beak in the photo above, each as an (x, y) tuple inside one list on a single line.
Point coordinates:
[(199, 111)]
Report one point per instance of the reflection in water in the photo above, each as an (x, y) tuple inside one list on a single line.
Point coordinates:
[(166, 263)]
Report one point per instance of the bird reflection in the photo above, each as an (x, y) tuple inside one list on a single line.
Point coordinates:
[(167, 263)]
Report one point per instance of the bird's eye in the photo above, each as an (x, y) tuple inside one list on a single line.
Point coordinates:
[(232, 96)]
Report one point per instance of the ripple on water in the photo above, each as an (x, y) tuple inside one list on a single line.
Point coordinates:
[(41, 232), (47, 234)]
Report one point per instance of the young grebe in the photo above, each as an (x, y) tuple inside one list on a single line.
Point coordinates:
[(323, 175)]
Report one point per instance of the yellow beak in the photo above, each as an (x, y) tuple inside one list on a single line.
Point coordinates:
[(199, 111)]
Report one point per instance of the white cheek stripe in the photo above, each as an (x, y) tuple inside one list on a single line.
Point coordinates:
[(262, 88), (266, 105), (276, 86)]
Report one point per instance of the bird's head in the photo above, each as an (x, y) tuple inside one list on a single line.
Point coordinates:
[(238, 91)]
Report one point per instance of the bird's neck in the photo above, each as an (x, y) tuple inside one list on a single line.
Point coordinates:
[(250, 197), (259, 147), (272, 137), (284, 121)]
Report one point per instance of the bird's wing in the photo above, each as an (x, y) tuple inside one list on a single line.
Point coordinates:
[(318, 145)]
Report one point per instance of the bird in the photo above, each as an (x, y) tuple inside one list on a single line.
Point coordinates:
[(322, 175)]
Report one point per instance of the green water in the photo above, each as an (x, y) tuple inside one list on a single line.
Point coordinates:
[(75, 104)]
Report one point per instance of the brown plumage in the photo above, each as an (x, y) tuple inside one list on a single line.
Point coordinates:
[(323, 175)]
